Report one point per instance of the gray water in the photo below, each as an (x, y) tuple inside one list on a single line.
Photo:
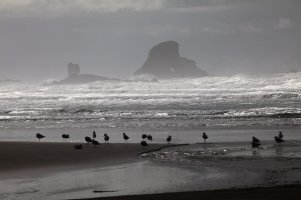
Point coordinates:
[(208, 102)]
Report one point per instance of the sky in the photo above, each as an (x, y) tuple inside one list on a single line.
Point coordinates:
[(38, 38)]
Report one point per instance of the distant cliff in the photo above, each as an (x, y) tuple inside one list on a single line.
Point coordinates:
[(165, 62)]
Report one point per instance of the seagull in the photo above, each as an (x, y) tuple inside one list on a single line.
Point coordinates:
[(39, 136), (144, 136), (149, 137), (78, 146), (94, 134), (88, 139), (278, 140), (205, 137), (106, 137), (255, 139), (255, 142), (95, 142), (168, 139), (65, 137), (143, 144), (280, 135), (125, 137)]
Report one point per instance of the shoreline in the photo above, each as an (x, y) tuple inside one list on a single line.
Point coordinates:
[(123, 168), (38, 158), (282, 192)]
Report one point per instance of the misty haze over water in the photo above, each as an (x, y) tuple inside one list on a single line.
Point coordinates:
[(112, 38)]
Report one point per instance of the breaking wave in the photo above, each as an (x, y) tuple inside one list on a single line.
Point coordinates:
[(239, 100)]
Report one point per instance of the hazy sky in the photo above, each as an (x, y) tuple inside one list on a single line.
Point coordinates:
[(112, 37)]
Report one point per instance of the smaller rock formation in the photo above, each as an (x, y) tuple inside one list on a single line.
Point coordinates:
[(73, 69), (74, 76), (164, 61)]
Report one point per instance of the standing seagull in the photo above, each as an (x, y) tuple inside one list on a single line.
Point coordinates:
[(39, 136), (95, 142), (106, 138), (150, 138), (255, 142), (144, 136), (168, 139), (94, 134), (125, 137), (205, 137), (65, 137), (88, 139), (280, 135), (278, 139), (254, 139)]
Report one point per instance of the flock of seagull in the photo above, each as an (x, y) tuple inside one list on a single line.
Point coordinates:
[(106, 137), (278, 139), (255, 141)]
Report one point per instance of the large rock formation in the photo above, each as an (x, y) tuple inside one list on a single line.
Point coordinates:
[(164, 62)]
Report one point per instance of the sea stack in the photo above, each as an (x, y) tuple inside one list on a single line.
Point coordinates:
[(73, 69), (164, 61), (75, 76)]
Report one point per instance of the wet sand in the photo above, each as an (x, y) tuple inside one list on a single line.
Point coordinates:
[(19, 158), (264, 193), (28, 159)]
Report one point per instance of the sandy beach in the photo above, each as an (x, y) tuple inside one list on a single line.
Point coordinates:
[(43, 157), (34, 170)]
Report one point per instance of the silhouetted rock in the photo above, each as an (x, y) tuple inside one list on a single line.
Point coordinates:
[(74, 76), (164, 62), (73, 69), (83, 78)]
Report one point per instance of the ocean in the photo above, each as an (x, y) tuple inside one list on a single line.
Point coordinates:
[(214, 102)]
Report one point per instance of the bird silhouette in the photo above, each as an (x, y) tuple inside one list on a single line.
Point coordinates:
[(143, 144), (39, 136), (254, 139), (280, 135), (78, 146), (205, 137), (278, 140), (106, 138), (144, 136), (88, 139), (65, 136), (95, 142), (94, 134), (168, 139), (255, 142), (125, 137), (149, 138)]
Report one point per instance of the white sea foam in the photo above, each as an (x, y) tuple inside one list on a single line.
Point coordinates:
[(184, 101)]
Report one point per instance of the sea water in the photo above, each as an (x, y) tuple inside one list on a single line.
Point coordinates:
[(215, 102), (238, 100)]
